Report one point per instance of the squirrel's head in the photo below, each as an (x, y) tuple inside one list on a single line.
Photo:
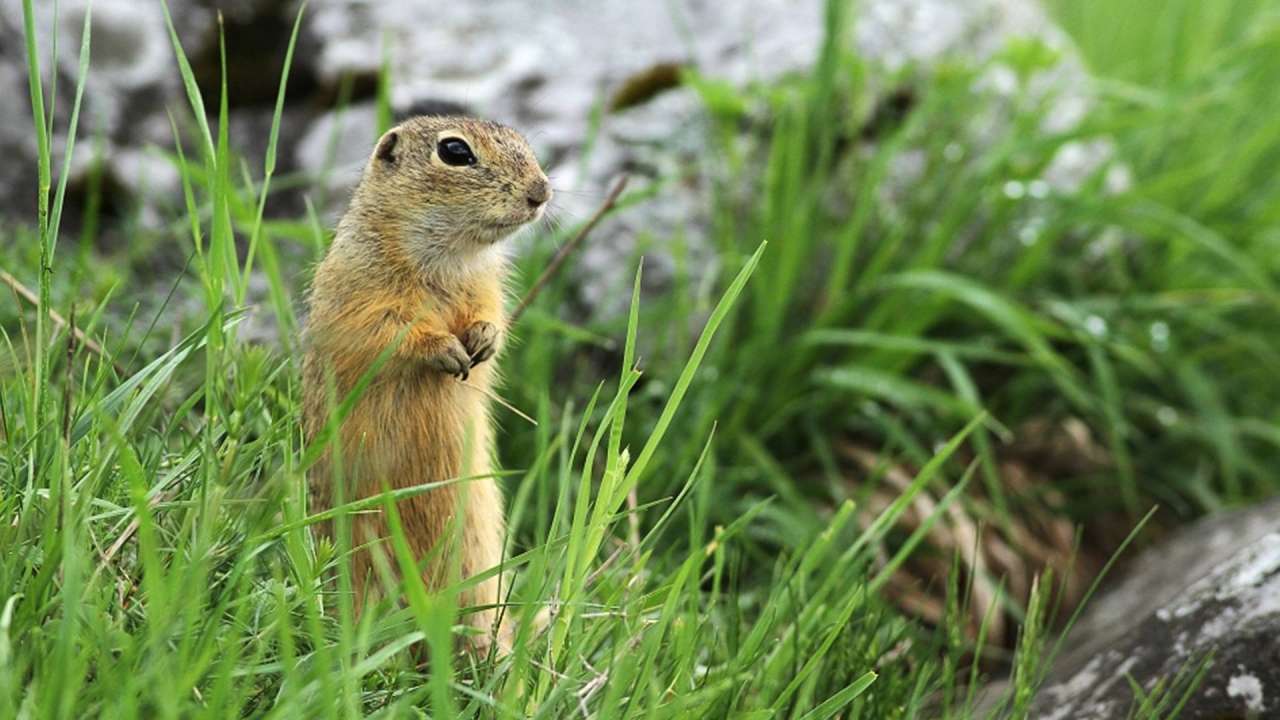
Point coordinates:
[(453, 184)]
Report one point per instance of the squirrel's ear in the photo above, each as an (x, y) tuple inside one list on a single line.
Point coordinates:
[(387, 147)]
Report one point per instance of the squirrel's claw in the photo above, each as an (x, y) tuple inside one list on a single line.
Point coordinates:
[(480, 341), (453, 360)]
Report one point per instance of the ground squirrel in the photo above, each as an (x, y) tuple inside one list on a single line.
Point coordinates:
[(417, 266)]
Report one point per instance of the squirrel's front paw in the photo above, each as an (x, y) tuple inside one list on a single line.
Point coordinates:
[(480, 341), (452, 359)]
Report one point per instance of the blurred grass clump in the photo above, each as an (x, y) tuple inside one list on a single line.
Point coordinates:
[(945, 358)]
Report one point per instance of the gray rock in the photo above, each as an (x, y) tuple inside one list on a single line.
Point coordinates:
[(17, 174), (132, 77), (332, 152), (1211, 593)]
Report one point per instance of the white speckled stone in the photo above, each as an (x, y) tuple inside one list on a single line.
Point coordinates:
[(1214, 587)]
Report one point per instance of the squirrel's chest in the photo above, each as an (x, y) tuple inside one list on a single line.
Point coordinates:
[(458, 309), (449, 314)]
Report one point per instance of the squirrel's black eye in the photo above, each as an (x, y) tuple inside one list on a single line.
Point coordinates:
[(454, 151)]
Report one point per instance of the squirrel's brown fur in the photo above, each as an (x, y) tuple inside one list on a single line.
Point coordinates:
[(417, 266)]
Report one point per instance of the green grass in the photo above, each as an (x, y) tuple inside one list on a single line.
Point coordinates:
[(689, 503)]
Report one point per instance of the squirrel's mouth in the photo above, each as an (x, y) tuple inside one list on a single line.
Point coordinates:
[(509, 224), (497, 230), (505, 225)]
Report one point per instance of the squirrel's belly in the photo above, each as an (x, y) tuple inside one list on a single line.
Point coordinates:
[(405, 433)]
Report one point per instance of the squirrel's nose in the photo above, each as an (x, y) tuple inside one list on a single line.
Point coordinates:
[(539, 193)]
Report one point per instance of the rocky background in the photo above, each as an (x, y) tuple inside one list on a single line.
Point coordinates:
[(609, 70), (550, 74)]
